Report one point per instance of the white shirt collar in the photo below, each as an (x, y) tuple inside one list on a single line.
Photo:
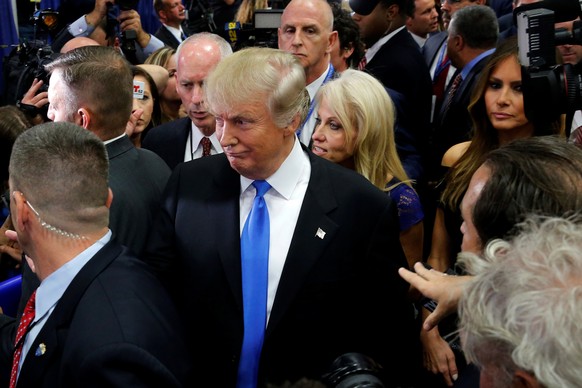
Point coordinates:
[(378, 45), (285, 179), (313, 87)]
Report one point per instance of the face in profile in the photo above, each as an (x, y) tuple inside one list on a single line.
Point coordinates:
[(471, 241), (504, 100), (329, 138), (146, 103), (58, 109)]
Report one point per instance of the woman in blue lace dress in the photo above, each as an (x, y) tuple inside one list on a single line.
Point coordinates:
[(355, 128)]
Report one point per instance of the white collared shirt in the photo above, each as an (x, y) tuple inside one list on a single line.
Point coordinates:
[(284, 200), (194, 148), (309, 126), (378, 45), (177, 32)]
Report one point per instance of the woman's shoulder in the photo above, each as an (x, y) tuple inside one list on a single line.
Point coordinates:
[(454, 153)]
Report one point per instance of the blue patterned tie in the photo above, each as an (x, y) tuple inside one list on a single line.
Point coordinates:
[(254, 244)]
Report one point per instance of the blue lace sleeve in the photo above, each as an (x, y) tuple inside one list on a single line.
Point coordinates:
[(409, 208)]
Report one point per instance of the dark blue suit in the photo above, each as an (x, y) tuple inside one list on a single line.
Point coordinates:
[(399, 65), (115, 325), (169, 140), (340, 293)]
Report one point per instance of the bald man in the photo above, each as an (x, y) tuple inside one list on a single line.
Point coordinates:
[(183, 139), (79, 41), (307, 32)]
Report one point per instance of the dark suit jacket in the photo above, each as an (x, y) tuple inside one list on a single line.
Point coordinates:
[(454, 124), (137, 178), (432, 46), (167, 37), (399, 65), (115, 325), (337, 294), (169, 140)]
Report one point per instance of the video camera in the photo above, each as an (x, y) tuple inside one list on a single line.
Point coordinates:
[(27, 60), (127, 38), (262, 33), (549, 89)]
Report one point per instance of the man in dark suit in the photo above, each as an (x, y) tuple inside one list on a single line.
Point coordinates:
[(330, 286), (394, 58), (183, 139), (92, 87), (472, 37), (99, 316), (172, 14)]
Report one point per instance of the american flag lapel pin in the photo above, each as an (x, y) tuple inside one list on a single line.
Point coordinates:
[(41, 350)]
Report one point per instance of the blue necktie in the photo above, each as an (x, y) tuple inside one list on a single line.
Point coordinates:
[(254, 244)]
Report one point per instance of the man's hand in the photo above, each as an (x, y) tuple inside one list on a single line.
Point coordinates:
[(132, 122), (38, 100), (443, 289), (99, 12), (130, 20), (9, 242)]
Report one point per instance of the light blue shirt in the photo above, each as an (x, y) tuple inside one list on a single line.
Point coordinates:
[(80, 27), (52, 289)]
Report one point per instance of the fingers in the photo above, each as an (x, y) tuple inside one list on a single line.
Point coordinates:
[(11, 234), (14, 252), (434, 318), (132, 122)]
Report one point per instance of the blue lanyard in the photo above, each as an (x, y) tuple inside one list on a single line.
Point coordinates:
[(328, 76), (442, 65)]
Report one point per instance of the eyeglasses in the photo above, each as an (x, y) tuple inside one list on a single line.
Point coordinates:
[(52, 228)]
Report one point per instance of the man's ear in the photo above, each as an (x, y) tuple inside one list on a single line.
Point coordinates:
[(392, 12), (331, 41), (293, 126), (523, 379), (109, 198), (22, 212), (83, 118), (162, 16)]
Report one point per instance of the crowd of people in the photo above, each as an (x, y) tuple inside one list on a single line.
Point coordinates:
[(184, 212)]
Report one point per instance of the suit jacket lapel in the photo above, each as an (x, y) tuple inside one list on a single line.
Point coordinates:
[(224, 205), (54, 332), (308, 242)]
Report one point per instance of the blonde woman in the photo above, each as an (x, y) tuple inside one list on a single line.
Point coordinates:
[(355, 128)]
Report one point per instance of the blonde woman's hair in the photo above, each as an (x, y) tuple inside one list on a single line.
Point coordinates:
[(363, 106)]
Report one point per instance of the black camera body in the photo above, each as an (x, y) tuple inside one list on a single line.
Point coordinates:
[(127, 38), (549, 89)]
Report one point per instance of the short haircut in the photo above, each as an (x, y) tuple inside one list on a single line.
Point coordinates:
[(540, 175), (477, 25), (523, 309), (158, 6), (260, 74), (100, 79), (63, 170)]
